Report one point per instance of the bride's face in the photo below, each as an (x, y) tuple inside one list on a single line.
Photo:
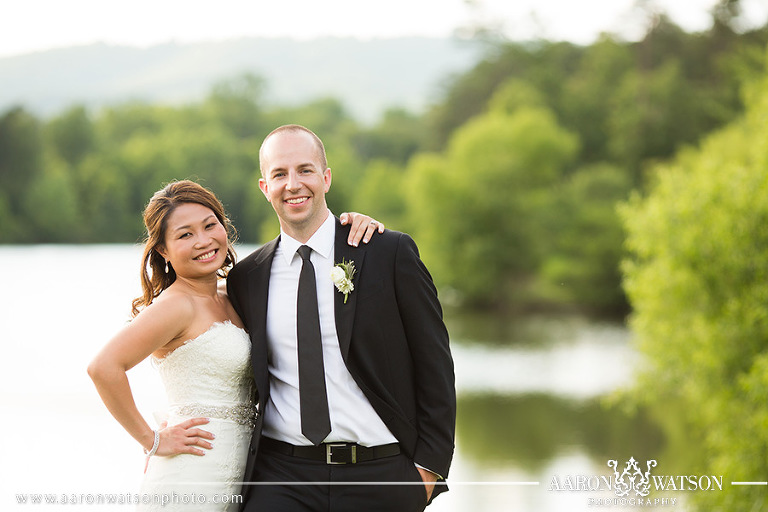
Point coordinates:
[(195, 241)]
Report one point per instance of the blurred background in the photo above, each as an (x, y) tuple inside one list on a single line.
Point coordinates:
[(586, 181)]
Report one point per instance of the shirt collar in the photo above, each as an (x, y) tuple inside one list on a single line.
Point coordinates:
[(321, 242)]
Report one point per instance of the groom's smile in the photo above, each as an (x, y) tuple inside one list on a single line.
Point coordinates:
[(297, 201)]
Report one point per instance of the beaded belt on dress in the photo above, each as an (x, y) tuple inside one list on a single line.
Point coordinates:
[(244, 414)]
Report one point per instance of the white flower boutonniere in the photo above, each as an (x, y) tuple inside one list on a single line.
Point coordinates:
[(341, 275)]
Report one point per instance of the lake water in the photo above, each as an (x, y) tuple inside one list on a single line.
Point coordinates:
[(529, 392)]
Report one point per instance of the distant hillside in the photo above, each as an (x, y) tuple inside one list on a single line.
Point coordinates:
[(367, 76)]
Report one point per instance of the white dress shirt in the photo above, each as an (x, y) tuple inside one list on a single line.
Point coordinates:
[(353, 419)]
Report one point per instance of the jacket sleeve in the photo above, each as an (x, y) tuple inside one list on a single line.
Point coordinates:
[(233, 290), (428, 342)]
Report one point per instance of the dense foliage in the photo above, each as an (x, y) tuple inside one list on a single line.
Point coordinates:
[(509, 182), (698, 284)]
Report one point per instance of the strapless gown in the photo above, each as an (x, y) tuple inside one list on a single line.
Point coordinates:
[(209, 376)]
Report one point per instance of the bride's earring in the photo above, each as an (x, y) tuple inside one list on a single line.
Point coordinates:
[(166, 266)]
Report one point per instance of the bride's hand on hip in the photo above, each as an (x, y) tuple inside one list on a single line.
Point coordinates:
[(363, 227), (184, 438)]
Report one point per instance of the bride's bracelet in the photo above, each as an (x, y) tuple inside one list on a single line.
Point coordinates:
[(155, 445)]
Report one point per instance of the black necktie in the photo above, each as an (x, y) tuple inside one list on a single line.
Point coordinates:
[(313, 399)]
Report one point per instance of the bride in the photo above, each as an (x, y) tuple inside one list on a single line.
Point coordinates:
[(186, 324)]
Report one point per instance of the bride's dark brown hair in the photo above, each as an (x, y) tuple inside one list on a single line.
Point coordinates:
[(156, 214)]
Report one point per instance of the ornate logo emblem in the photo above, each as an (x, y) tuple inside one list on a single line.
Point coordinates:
[(632, 478)]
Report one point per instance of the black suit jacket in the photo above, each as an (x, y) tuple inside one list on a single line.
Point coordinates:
[(392, 338)]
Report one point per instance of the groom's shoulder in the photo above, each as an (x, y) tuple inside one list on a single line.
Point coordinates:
[(392, 240), (255, 257), (394, 237)]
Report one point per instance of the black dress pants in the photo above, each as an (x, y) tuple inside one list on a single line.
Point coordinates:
[(320, 487)]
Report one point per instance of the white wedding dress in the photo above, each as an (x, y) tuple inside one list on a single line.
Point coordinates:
[(209, 376)]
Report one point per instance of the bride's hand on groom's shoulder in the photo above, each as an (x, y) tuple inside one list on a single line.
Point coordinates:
[(184, 437), (363, 227)]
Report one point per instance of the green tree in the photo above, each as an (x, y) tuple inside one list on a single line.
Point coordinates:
[(50, 207), (477, 209), (652, 114), (544, 65), (381, 194), (21, 153), (262, 224), (236, 104), (327, 117), (514, 94), (71, 135), (396, 137), (109, 204), (698, 284), (588, 92), (347, 171), (118, 123), (581, 264), (142, 148), (629, 103), (11, 231)]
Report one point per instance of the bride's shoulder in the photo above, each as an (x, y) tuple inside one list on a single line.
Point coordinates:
[(163, 321), (172, 305)]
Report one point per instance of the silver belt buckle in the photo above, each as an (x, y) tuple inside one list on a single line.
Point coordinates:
[(329, 452)]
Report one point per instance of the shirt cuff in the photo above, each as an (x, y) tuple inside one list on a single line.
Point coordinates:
[(427, 469)]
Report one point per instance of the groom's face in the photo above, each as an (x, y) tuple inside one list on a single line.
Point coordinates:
[(295, 182)]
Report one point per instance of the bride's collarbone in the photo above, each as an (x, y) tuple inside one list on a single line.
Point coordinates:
[(191, 333)]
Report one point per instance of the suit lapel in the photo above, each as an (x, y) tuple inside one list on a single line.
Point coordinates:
[(345, 313), (258, 289)]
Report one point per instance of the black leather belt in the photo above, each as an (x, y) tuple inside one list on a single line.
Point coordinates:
[(332, 453)]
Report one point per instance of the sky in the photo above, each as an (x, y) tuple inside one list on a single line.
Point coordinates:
[(36, 25)]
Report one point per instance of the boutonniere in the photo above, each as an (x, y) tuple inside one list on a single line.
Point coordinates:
[(341, 275)]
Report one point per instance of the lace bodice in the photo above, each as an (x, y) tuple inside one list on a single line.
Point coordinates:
[(213, 368)]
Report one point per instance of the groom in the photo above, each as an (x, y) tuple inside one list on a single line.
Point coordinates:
[(355, 383)]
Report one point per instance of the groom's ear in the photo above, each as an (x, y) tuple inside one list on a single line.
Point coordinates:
[(327, 179), (264, 188)]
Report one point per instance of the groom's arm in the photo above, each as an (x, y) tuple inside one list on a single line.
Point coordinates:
[(427, 337), (233, 288)]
